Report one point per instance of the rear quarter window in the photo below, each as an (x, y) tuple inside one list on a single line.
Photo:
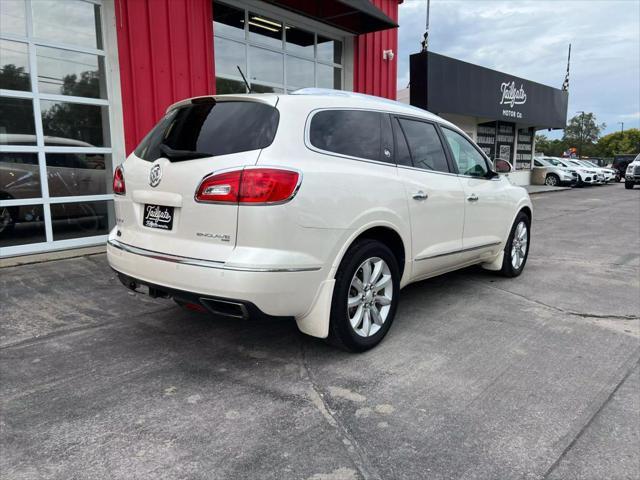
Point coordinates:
[(208, 129), (355, 133)]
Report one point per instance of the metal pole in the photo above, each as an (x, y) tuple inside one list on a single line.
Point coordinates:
[(621, 127), (581, 130)]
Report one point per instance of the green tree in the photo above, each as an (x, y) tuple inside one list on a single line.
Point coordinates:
[(583, 127), (14, 78), (553, 148), (619, 143)]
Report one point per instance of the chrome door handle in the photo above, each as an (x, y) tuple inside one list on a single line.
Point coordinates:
[(472, 198), (420, 195)]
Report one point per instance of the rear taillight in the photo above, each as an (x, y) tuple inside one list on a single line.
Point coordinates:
[(250, 186), (118, 181)]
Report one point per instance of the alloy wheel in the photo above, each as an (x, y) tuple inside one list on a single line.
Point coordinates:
[(519, 245), (370, 297), (551, 180)]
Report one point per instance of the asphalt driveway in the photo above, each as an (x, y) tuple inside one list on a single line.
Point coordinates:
[(480, 376)]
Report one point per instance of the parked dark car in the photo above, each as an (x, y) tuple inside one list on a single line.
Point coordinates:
[(620, 163)]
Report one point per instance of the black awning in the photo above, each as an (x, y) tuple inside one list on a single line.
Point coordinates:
[(355, 16)]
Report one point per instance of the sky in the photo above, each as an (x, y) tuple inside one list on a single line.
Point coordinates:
[(530, 38)]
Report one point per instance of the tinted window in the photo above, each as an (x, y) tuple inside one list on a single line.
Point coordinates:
[(403, 157), (425, 146), (209, 129), (469, 160), (348, 132)]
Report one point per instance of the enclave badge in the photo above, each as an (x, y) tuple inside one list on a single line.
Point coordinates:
[(155, 175)]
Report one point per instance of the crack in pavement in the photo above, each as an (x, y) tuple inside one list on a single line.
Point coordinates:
[(357, 454), (559, 309), (630, 366)]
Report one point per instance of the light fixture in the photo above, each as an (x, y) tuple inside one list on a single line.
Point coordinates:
[(388, 55), (268, 22)]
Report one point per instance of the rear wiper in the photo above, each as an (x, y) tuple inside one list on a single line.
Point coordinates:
[(172, 154)]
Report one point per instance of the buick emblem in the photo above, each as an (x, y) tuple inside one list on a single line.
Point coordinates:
[(155, 175)]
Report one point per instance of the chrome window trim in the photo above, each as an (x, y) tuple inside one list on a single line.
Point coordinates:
[(198, 262), (463, 250)]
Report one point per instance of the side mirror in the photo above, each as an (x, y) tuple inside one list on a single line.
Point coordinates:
[(502, 166)]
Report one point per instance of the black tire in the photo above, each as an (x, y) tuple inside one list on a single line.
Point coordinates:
[(8, 216), (508, 270), (341, 333), (552, 180), (628, 185)]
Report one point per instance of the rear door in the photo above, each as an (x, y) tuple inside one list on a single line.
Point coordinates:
[(434, 195), (160, 212)]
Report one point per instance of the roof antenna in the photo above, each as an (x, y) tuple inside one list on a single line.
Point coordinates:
[(244, 78), (425, 40)]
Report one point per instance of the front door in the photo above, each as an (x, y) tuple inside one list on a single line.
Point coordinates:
[(487, 205), (434, 194)]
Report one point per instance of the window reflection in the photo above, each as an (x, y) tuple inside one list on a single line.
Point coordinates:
[(329, 77), (70, 73), (14, 66), (226, 85), (300, 72), (266, 65), (78, 174), (228, 21), (16, 122), (81, 219), (265, 30), (22, 224), (229, 55), (19, 175), (13, 17), (257, 88), (299, 41), (70, 22), (74, 124), (329, 50)]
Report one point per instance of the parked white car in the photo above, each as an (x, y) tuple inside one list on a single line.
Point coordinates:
[(319, 205), (556, 175), (632, 174), (609, 174), (586, 176)]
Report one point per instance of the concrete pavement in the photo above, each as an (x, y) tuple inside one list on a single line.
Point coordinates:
[(480, 376)]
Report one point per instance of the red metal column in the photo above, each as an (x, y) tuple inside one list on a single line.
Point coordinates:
[(165, 50), (372, 74)]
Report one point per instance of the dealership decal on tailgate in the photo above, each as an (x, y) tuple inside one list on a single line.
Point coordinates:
[(157, 216)]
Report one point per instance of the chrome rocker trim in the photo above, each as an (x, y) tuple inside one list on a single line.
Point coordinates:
[(197, 262), (479, 247)]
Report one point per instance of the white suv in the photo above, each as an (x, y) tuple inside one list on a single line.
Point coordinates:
[(319, 205)]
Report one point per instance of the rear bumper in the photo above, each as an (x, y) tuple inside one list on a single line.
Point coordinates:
[(288, 293)]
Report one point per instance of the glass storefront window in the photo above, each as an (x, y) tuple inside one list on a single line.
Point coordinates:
[(299, 42), (228, 21), (68, 22), (13, 17), (70, 174), (65, 72), (299, 72), (266, 65), (56, 161), (21, 225), (74, 124), (329, 50), (264, 30), (281, 56), (329, 77), (19, 175), (229, 55), (14, 67), (80, 219), (17, 126)]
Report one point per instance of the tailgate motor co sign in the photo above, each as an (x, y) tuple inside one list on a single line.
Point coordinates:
[(512, 96)]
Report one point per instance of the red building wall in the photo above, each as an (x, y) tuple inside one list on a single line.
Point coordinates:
[(165, 50), (372, 74)]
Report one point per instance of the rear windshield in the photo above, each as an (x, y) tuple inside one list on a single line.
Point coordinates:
[(210, 128)]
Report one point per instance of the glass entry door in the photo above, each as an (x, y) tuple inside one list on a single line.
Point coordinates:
[(55, 144)]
